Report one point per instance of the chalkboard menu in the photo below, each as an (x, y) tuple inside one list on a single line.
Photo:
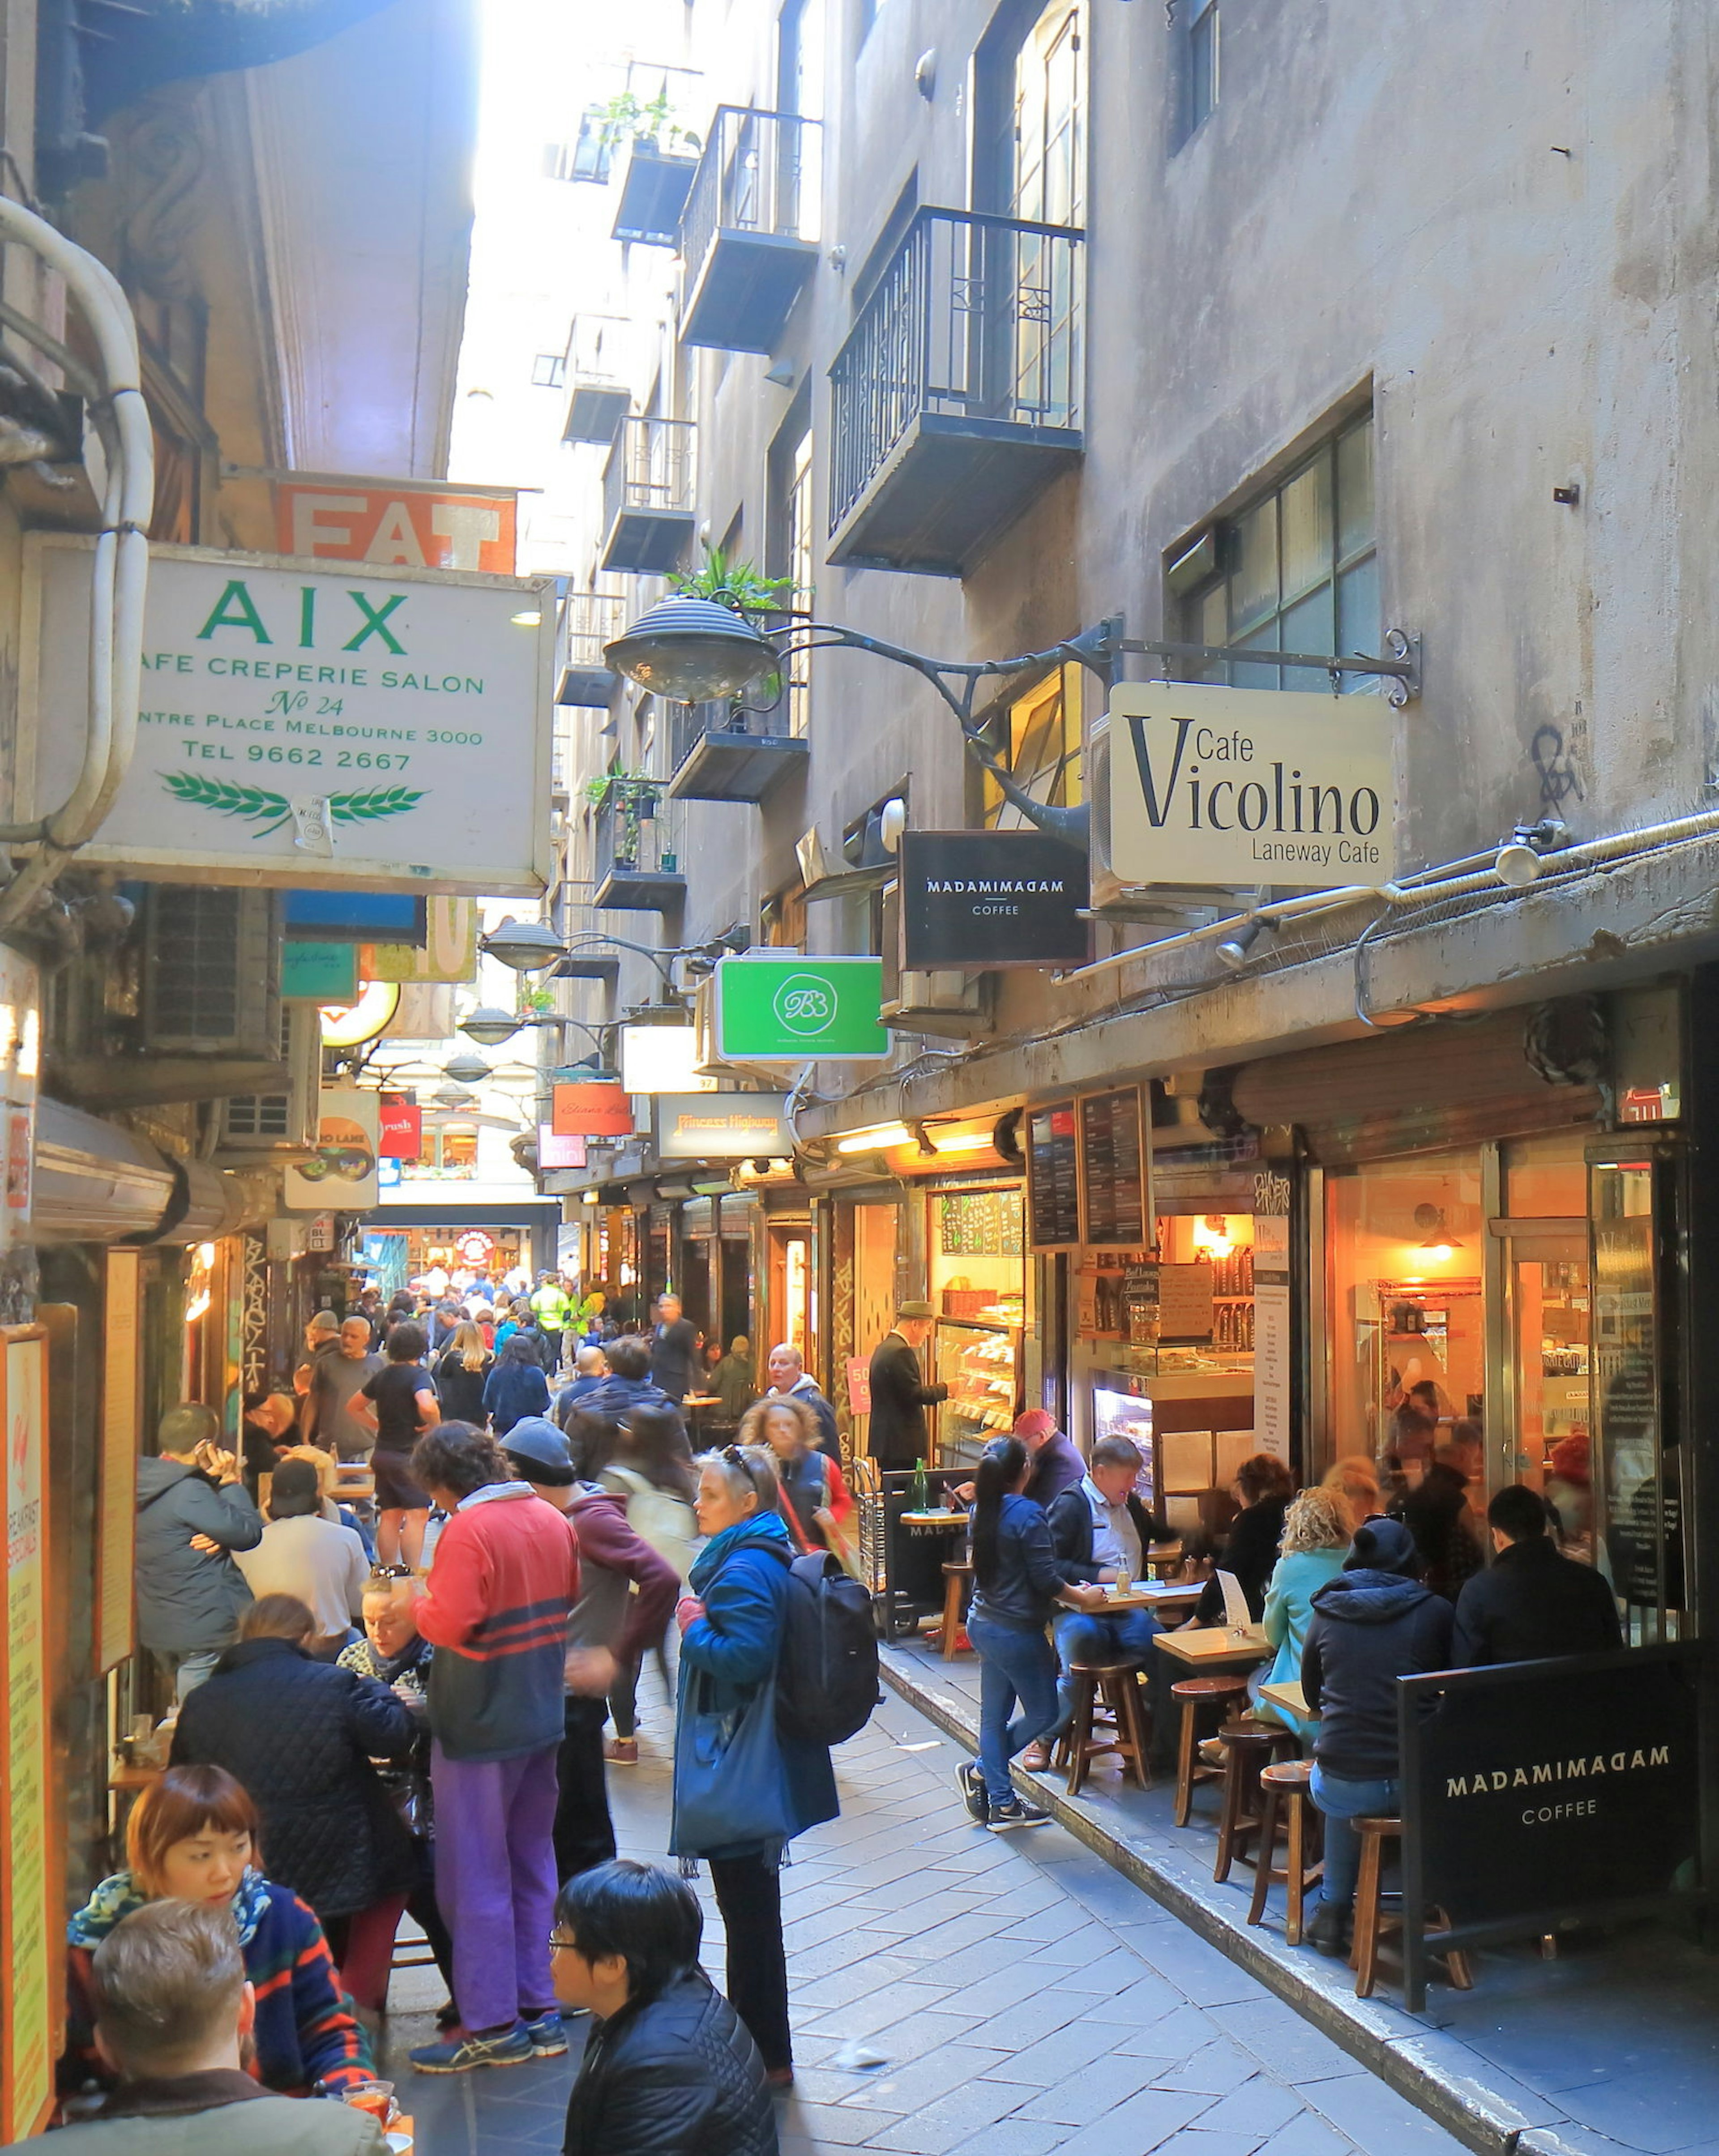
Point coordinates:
[(1053, 1181), (1113, 1171)]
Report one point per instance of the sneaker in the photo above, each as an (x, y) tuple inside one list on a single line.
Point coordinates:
[(1017, 1812), (621, 1751), (459, 2054), (971, 1784), (549, 2039)]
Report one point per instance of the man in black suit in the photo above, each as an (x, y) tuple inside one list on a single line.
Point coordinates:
[(673, 1350), (899, 1394)]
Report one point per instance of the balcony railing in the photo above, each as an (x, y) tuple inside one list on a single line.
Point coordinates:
[(719, 753), (957, 395), (637, 863), (749, 235), (647, 494), (588, 621)]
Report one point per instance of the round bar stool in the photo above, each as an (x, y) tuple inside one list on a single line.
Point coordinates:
[(955, 1575), (1250, 1745), (1193, 1696), (1287, 1807), (1373, 1921), (1118, 1685)]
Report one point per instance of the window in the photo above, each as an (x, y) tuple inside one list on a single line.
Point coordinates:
[(1039, 739), (790, 546), (588, 156), (1202, 69), (549, 370), (1295, 571)]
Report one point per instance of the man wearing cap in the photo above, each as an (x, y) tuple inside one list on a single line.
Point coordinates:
[(899, 1395), (611, 1623)]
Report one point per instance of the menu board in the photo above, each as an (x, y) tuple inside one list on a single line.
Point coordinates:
[(1052, 1183), (1113, 1170), (979, 1224), (1185, 1293)]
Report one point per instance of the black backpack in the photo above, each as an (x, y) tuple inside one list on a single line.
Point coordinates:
[(826, 1675)]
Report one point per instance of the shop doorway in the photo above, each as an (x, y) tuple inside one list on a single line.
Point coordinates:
[(790, 1295)]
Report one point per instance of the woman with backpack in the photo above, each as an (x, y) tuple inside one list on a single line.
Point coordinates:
[(815, 1503), (516, 1386), (1017, 1580), (648, 1463), (742, 1791)]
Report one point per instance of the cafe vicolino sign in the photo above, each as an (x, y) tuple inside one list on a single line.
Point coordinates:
[(1249, 786), (301, 724)]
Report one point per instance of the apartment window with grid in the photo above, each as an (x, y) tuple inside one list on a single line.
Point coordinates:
[(1201, 64), (1038, 741), (1295, 571)]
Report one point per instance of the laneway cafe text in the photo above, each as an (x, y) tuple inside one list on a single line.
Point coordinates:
[(1239, 786)]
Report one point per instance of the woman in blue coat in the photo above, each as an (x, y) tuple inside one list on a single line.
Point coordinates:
[(731, 1630)]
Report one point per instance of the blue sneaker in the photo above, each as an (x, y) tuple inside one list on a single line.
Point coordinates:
[(549, 2039), (512, 2047)]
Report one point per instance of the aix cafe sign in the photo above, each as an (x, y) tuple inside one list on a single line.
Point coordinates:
[(1249, 786), (303, 724)]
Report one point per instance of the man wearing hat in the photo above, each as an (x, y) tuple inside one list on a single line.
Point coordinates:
[(899, 1395), (610, 1624), (1374, 1623)]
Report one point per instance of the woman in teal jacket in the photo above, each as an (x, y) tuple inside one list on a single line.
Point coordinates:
[(1316, 1539), (730, 1631)]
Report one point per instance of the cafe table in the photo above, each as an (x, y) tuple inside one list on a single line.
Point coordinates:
[(1174, 1599), (1289, 1697), (1216, 1646)]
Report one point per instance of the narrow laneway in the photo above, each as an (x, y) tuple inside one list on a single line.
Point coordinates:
[(1021, 1998)]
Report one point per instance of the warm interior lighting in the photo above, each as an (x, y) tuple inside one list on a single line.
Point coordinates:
[(1437, 1242), (878, 1140), (978, 1141), (1212, 1236)]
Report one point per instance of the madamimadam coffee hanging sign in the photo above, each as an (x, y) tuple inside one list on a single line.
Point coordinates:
[(1249, 786), (983, 898)]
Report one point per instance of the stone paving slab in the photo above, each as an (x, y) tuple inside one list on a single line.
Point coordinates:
[(1611, 2050)]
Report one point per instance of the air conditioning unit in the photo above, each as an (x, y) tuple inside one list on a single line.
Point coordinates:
[(956, 1004), (268, 1122), (211, 984)]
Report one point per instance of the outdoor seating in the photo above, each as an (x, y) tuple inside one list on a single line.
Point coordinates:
[(1117, 1684), (1287, 1808), (958, 1578), (1195, 1696), (1373, 1921), (1250, 1747)]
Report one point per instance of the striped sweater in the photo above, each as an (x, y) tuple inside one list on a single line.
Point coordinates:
[(305, 2030), (502, 1588)]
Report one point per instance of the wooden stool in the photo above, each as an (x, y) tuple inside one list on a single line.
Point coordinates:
[(1250, 1745), (1118, 1683), (1371, 1922), (1286, 1803), (1192, 1694), (956, 1576)]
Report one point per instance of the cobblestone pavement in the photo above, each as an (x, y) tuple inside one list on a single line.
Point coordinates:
[(1023, 1999)]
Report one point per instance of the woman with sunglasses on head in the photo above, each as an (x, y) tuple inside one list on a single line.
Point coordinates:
[(730, 1631)]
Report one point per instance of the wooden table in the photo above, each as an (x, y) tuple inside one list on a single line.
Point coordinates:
[(1289, 1697), (1215, 1646), (926, 1520), (1174, 1600)]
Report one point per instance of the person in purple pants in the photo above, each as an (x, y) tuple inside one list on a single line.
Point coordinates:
[(496, 1608)]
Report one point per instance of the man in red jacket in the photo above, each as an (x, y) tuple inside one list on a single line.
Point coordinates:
[(496, 1608), (611, 1625)]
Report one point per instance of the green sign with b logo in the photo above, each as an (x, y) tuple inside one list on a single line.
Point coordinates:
[(788, 1008)]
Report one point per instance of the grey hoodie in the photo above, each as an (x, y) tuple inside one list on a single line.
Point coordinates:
[(190, 1601)]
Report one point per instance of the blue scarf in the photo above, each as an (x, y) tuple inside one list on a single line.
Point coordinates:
[(765, 1527), (116, 1897)]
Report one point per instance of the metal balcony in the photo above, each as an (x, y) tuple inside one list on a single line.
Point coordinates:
[(749, 236), (588, 621), (594, 410), (653, 190), (648, 513), (636, 858), (956, 398), (717, 753)]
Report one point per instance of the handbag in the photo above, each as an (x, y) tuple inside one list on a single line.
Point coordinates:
[(729, 1782)]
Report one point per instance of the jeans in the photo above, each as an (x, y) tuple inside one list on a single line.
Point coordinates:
[(1341, 1801), (186, 1671), (1080, 1638), (748, 1890), (584, 1834), (495, 1881), (1014, 1665)]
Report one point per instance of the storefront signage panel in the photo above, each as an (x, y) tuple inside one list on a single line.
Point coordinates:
[(1249, 786), (392, 522), (587, 1111), (795, 1009), (383, 729), (1052, 1177), (985, 899), (320, 974), (341, 1171), (448, 953), (1116, 1171), (32, 1930), (121, 1428), (723, 1127), (1553, 1789), (399, 1129)]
